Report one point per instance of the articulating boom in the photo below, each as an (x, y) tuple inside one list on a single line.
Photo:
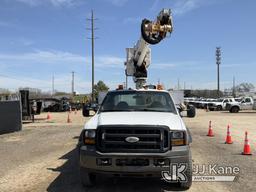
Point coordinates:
[(139, 57)]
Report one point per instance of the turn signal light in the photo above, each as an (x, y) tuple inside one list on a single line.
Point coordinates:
[(89, 141)]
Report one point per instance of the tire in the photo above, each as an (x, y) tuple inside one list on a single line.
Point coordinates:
[(234, 109), (87, 179), (186, 185), (191, 112), (219, 108)]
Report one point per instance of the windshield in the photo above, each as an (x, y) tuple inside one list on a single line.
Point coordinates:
[(138, 101)]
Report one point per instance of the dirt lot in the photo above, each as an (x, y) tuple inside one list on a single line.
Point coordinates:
[(42, 157)]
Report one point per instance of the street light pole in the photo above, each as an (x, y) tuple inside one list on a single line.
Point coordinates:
[(218, 62)]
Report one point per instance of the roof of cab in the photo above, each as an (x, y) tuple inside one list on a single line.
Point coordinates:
[(144, 90)]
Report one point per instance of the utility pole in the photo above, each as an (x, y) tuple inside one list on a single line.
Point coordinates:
[(73, 83), (218, 62), (126, 82), (52, 84), (92, 19), (234, 87)]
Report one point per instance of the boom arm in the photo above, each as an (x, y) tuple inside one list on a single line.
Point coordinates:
[(139, 57)]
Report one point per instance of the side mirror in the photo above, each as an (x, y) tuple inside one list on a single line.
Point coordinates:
[(86, 111)]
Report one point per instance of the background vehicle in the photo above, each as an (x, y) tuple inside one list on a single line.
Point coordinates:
[(220, 104), (247, 103)]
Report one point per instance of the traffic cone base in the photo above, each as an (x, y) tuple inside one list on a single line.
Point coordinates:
[(210, 135), (246, 153)]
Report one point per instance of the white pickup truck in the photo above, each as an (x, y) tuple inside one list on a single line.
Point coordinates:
[(247, 103), (135, 133), (220, 104)]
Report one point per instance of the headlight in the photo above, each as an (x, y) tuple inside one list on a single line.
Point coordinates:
[(178, 138), (89, 137), (89, 133)]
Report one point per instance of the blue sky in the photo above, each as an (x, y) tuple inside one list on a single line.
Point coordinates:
[(40, 38)]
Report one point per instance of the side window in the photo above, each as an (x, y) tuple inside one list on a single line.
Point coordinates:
[(247, 100), (226, 100)]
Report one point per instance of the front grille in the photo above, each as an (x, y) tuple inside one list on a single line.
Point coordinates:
[(151, 138)]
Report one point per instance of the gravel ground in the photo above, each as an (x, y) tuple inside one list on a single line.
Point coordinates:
[(42, 157)]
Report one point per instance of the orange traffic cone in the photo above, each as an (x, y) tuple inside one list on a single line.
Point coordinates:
[(48, 116), (69, 120), (210, 131), (228, 138), (247, 148)]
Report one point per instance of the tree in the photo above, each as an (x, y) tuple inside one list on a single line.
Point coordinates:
[(99, 87), (245, 87)]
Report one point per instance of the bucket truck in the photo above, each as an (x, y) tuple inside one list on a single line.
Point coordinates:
[(138, 133)]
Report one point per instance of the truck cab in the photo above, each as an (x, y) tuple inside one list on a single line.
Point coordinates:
[(135, 133)]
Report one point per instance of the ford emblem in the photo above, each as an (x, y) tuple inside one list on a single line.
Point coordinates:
[(132, 139)]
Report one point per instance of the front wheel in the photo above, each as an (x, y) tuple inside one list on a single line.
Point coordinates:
[(87, 179), (234, 110), (219, 108), (187, 184)]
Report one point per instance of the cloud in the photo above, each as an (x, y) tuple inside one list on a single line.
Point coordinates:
[(5, 24), (132, 20), (184, 6), (154, 5), (118, 3), (163, 65), (230, 65), (60, 58), (181, 7), (110, 61), (26, 42), (44, 57), (62, 82), (56, 3)]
